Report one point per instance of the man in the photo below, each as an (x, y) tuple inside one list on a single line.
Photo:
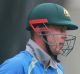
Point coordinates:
[(48, 23)]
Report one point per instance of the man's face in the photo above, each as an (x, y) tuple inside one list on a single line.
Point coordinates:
[(56, 38)]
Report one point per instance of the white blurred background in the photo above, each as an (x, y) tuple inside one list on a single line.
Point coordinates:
[(71, 63)]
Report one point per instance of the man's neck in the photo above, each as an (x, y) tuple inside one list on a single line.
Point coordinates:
[(39, 41)]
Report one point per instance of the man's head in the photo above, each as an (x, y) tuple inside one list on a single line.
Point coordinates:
[(49, 22)]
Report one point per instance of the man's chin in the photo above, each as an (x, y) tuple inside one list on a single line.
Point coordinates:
[(57, 52)]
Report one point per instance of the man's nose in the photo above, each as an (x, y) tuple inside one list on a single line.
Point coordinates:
[(63, 37)]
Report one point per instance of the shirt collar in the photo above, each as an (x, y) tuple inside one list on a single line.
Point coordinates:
[(39, 54)]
